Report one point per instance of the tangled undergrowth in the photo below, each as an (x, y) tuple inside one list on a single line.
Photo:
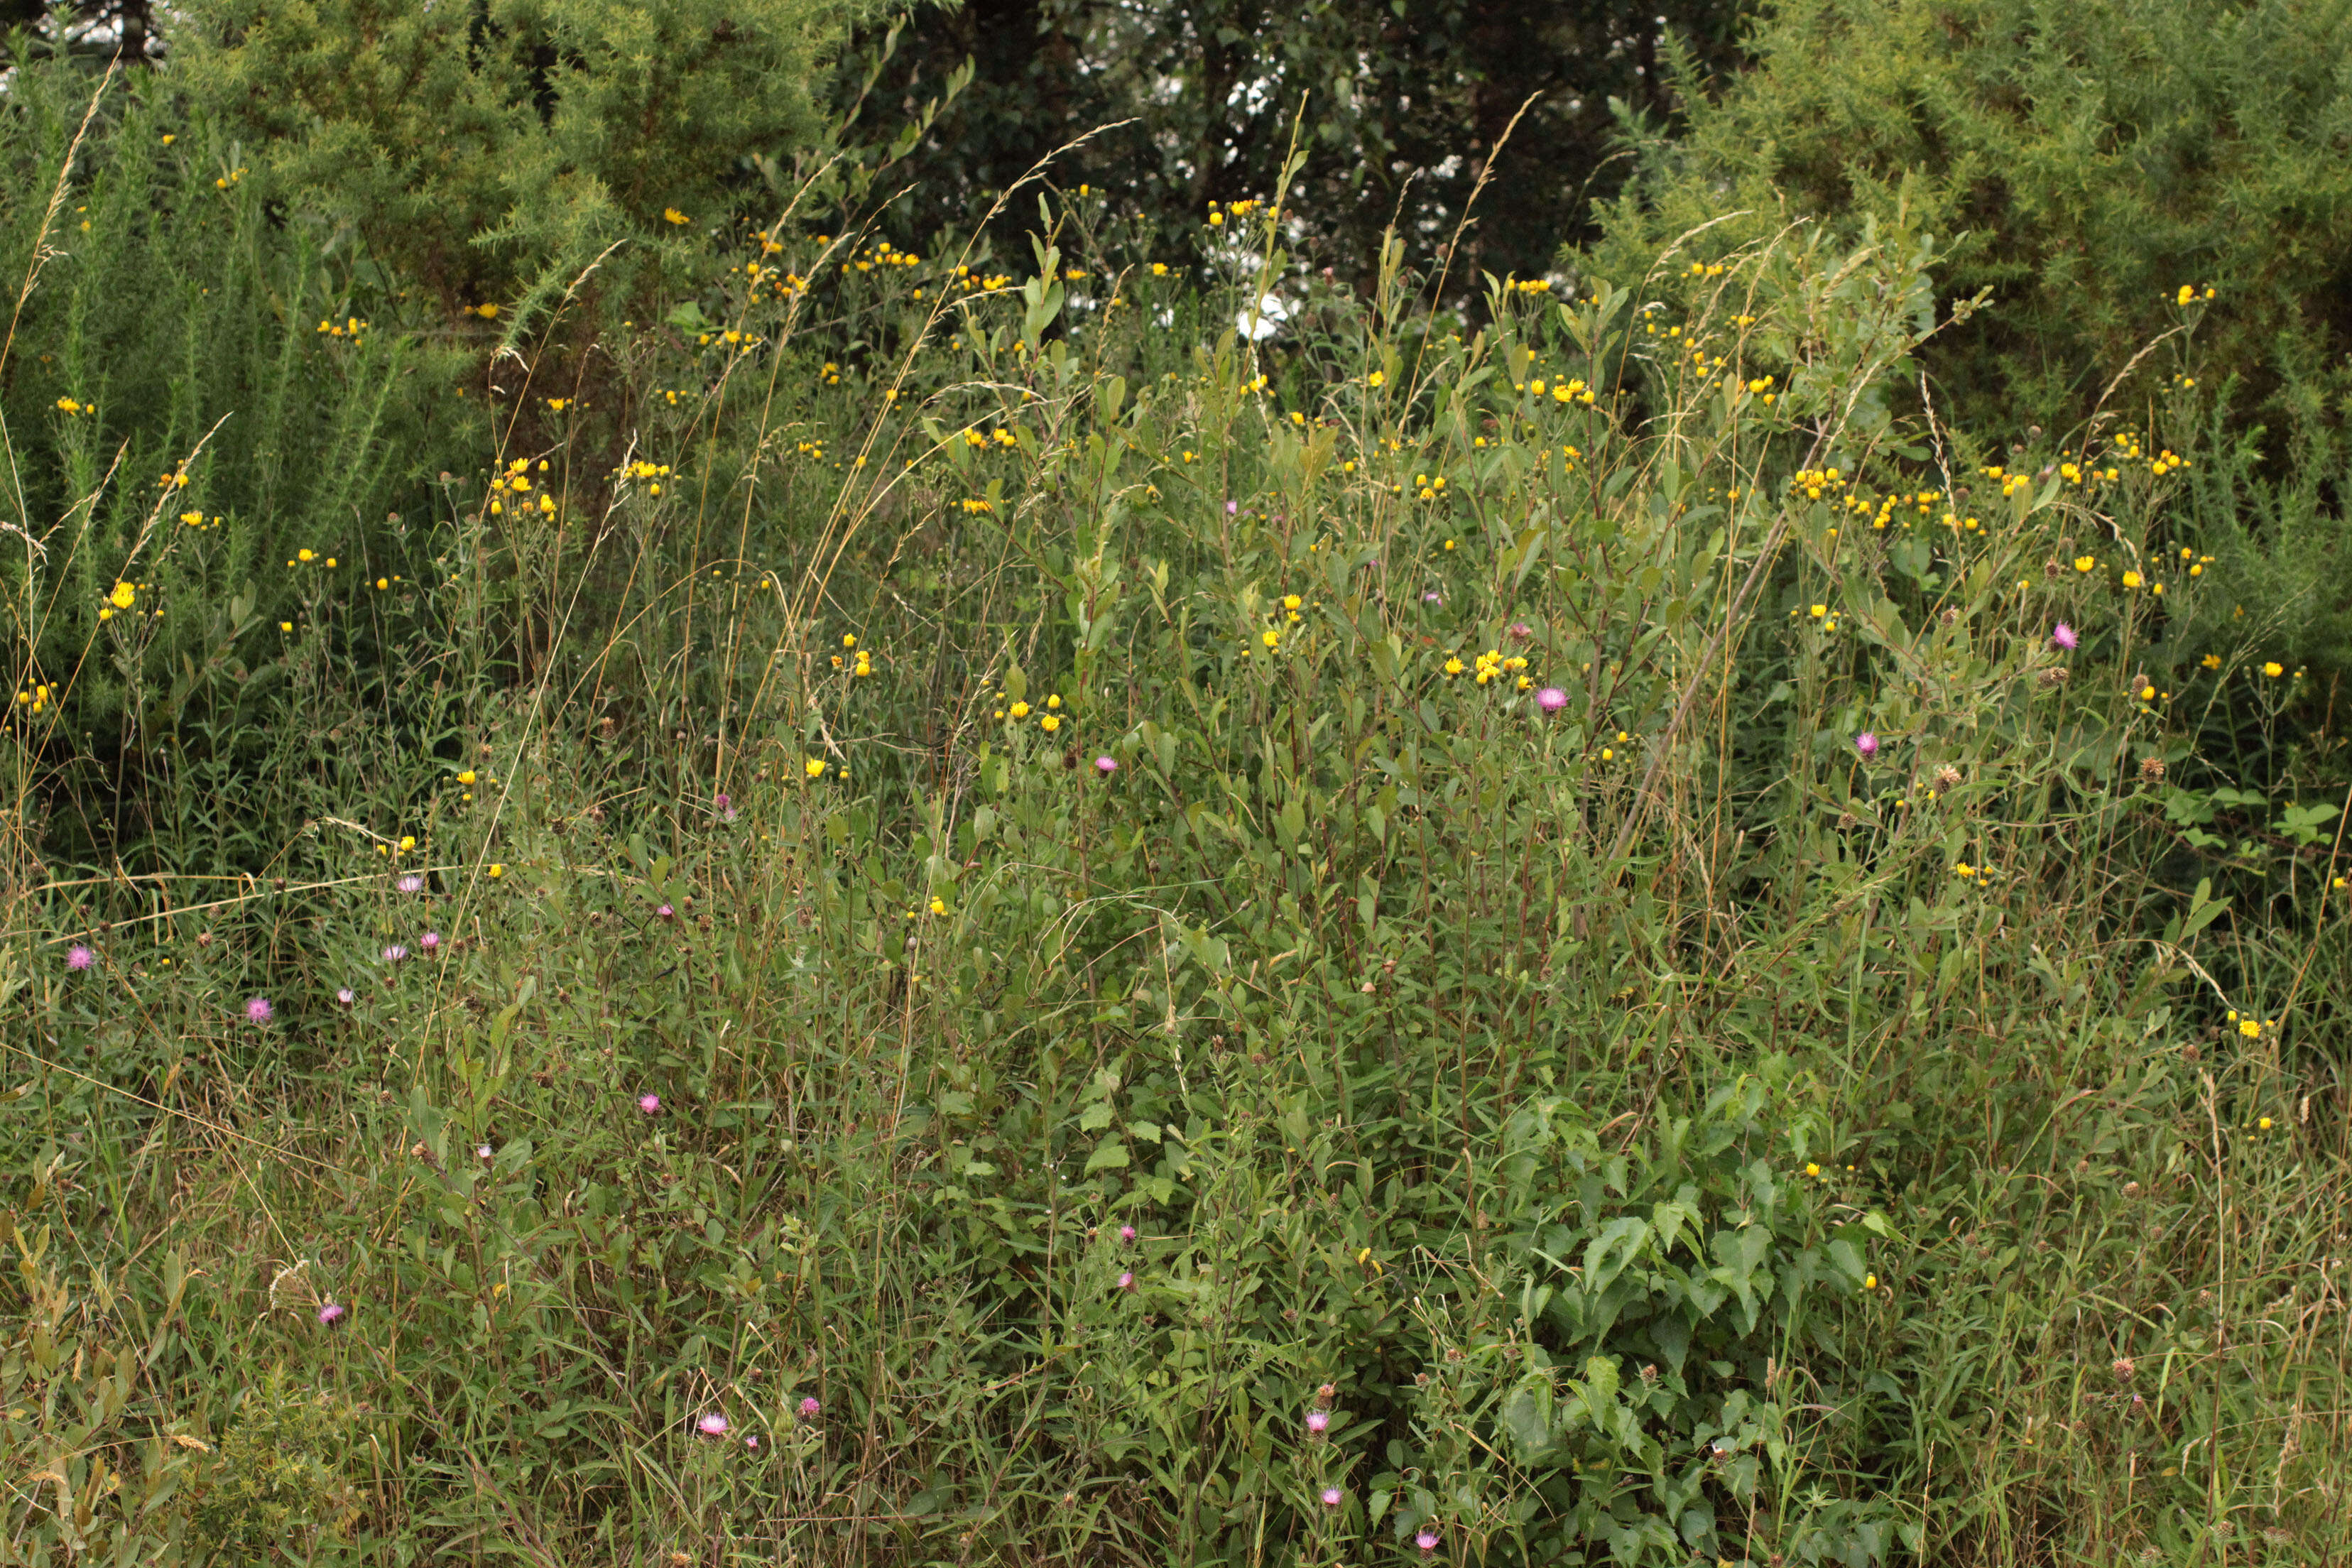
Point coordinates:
[(927, 909)]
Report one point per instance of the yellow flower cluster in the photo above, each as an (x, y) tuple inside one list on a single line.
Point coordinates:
[(350, 326), (1814, 481), (37, 698), (862, 657)]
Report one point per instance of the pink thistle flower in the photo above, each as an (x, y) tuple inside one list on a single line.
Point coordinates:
[(394, 954), (1318, 1422), (726, 807), (1106, 766), (1232, 507), (430, 942), (1331, 1496), (258, 1011), (665, 912), (330, 1312), (80, 957), (712, 1425), (1866, 743), (1426, 1540), (347, 996), (482, 1151), (411, 884), (1126, 1279), (1519, 631), (2063, 636), (809, 1407), (1127, 1233), (650, 1104), (1550, 698), (1432, 597), (750, 1442)]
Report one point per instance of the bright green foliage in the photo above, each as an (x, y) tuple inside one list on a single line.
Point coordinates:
[(205, 407), (478, 146), (2084, 162)]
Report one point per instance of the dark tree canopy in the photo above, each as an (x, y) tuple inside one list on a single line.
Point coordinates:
[(1404, 107)]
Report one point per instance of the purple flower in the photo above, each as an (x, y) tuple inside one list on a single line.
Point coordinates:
[(1866, 743), (411, 884), (1331, 1496), (257, 1011), (346, 997), (1519, 631), (809, 1407), (1127, 1233), (1106, 766), (481, 1151), (1232, 507), (2063, 636), (1318, 1422), (330, 1312), (1126, 1279), (1550, 698), (726, 807), (712, 1425), (430, 942), (650, 1104), (394, 954), (1426, 1540), (79, 957), (1432, 597), (665, 912), (750, 1442)]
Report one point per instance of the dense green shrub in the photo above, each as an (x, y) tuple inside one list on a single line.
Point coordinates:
[(2085, 164), (480, 148), (222, 440)]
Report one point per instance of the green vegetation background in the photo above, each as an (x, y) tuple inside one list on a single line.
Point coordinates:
[(751, 816)]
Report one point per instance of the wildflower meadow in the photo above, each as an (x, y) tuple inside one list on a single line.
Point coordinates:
[(696, 878)]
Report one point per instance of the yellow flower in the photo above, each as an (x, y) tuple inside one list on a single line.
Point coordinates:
[(2131, 579), (1270, 638), (1290, 601), (1811, 1169), (1453, 667), (1021, 709), (1818, 611), (122, 595), (2250, 1028), (466, 777), (1870, 1282), (2274, 668), (938, 906), (1050, 722), (498, 868), (2084, 563), (1964, 869), (1378, 378), (2265, 1124), (1054, 701), (814, 767), (671, 214)]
